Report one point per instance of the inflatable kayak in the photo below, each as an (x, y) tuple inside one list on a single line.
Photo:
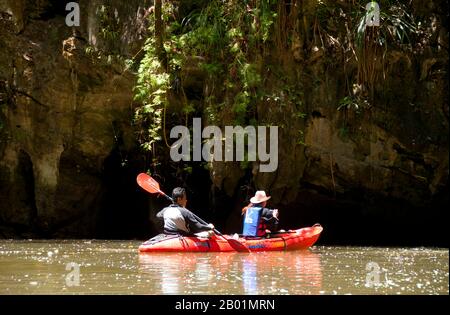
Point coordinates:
[(290, 240)]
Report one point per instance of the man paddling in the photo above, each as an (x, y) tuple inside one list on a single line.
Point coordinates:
[(179, 220), (257, 218)]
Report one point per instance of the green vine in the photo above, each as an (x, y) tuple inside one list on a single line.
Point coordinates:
[(109, 25), (225, 40)]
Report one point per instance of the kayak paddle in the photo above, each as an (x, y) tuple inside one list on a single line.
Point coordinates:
[(149, 184)]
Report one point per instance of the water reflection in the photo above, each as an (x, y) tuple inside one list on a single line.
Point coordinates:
[(296, 272), (170, 283), (309, 272), (249, 274), (163, 268)]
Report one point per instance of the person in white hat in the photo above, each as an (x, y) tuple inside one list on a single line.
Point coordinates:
[(258, 219)]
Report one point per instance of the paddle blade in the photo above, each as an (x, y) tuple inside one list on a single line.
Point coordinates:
[(148, 183)]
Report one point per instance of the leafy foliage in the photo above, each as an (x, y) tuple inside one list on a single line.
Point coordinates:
[(223, 36)]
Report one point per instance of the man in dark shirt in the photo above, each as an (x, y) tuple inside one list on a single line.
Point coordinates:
[(179, 220)]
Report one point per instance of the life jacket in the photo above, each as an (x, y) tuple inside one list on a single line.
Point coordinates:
[(253, 225)]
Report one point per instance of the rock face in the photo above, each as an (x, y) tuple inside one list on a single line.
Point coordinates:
[(66, 106), (355, 164)]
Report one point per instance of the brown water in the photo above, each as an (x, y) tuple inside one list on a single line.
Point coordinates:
[(115, 267)]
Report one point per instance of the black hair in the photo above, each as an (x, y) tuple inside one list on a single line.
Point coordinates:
[(178, 192)]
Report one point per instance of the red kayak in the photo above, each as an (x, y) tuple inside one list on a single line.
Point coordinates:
[(290, 240)]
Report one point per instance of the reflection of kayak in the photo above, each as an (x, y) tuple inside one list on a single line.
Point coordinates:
[(291, 240)]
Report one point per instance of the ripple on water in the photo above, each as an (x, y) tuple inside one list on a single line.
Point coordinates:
[(116, 267)]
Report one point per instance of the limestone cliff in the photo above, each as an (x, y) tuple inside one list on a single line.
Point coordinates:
[(66, 103)]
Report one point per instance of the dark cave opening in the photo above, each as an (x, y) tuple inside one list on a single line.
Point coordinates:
[(47, 10), (359, 219)]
